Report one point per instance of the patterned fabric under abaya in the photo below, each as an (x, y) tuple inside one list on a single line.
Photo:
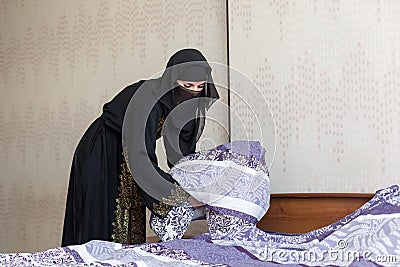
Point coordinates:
[(130, 213)]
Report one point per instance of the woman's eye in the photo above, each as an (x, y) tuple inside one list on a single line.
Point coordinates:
[(187, 85), (201, 86)]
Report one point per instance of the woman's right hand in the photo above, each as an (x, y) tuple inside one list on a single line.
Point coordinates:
[(194, 202)]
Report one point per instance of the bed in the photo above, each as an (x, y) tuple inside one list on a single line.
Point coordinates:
[(248, 226), (284, 215), (304, 212)]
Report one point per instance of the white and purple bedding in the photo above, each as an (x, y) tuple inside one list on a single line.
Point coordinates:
[(370, 236), (232, 180)]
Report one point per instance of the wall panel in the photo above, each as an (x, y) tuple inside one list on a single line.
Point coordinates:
[(329, 71)]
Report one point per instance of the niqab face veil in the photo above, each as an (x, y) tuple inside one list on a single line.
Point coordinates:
[(185, 118)]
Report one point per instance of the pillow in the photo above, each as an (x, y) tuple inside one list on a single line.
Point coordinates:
[(232, 176), (232, 180)]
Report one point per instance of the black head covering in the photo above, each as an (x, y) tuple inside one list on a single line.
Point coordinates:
[(187, 65), (187, 120)]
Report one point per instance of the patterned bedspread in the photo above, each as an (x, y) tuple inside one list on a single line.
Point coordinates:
[(370, 236)]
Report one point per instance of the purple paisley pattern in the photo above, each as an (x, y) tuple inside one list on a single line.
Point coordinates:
[(223, 172), (370, 236), (242, 176), (237, 214), (251, 148), (174, 225), (373, 228), (231, 227)]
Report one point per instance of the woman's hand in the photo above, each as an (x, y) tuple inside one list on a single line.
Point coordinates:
[(194, 202)]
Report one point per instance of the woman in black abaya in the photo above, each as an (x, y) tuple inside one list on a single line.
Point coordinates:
[(115, 174)]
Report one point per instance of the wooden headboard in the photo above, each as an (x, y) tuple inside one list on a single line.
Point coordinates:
[(303, 212)]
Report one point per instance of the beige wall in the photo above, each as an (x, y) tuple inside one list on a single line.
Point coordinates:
[(330, 71), (60, 61)]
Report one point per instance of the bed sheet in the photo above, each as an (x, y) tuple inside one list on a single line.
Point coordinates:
[(368, 237)]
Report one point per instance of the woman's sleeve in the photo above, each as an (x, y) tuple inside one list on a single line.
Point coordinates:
[(157, 194), (186, 146)]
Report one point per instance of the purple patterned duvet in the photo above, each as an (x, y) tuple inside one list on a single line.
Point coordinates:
[(232, 180), (368, 237)]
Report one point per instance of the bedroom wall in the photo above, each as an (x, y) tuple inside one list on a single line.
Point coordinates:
[(330, 73), (60, 61)]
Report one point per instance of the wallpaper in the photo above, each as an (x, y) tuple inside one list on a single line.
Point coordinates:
[(326, 99), (317, 82), (60, 61)]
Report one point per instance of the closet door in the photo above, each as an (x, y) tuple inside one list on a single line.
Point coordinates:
[(325, 99)]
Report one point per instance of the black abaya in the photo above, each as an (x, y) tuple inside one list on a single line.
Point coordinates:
[(103, 200), (94, 178)]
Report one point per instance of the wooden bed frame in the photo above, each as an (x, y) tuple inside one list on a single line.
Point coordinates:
[(303, 212)]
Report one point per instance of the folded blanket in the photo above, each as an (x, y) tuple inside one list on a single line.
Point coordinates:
[(231, 179)]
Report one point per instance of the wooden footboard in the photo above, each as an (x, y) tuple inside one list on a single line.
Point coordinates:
[(303, 212)]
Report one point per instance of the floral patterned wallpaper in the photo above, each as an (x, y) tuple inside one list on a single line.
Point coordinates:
[(60, 61)]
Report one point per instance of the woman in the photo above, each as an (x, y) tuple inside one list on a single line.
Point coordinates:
[(109, 189)]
